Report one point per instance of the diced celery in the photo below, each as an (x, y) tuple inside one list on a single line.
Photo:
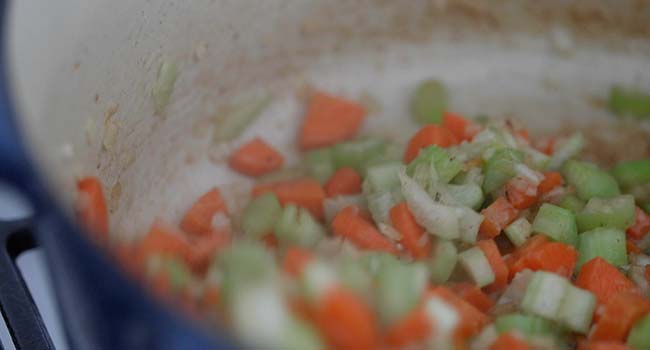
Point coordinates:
[(383, 177), (566, 150), (629, 102), (320, 164), (536, 159), (354, 275), (557, 223), (544, 294), (260, 329), (617, 212), (358, 153), (375, 262), (607, 243), (443, 262), (577, 309), (438, 160), (179, 274), (260, 215), (500, 168), (639, 338), (399, 288), (301, 336), (470, 195), (528, 325), (245, 264), (296, 226), (429, 102), (572, 203), (589, 181), (632, 173), (469, 222), (164, 85), (477, 266), (238, 117), (519, 231), (317, 279), (437, 219), (472, 176)]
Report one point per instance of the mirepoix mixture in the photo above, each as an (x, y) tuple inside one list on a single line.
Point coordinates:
[(472, 236)]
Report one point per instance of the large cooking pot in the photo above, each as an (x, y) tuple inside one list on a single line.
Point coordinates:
[(76, 99)]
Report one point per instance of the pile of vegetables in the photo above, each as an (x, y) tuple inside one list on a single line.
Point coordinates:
[(474, 236)]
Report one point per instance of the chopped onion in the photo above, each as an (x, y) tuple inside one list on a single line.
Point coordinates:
[(332, 206)]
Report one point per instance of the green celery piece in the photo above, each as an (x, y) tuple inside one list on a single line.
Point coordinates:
[(164, 86), (528, 325), (439, 160), (399, 288), (536, 159), (572, 203), (382, 177), (477, 266), (544, 295), (500, 168), (179, 274), (260, 215), (589, 181), (296, 226), (607, 243), (566, 150), (320, 164), (354, 275), (301, 336), (519, 231), (557, 223), (639, 338), (375, 261), (646, 207), (629, 102), (245, 264), (632, 173), (577, 309), (429, 102), (357, 154), (470, 195), (617, 212), (236, 118), (443, 261), (472, 176)]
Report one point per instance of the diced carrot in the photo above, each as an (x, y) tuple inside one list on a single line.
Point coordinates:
[(307, 193), (546, 145), (552, 179), (462, 128), (604, 280), (91, 207), (414, 238), (551, 256), (343, 181), (499, 267), (497, 216), (301, 309), (473, 295), (646, 272), (350, 225), (346, 322), (427, 136), (161, 285), (210, 298), (270, 240), (522, 194), (471, 321), (295, 260), (204, 248), (509, 341), (602, 345), (164, 239), (126, 256), (632, 248), (514, 261), (329, 120), (413, 328), (619, 315), (198, 219), (256, 158), (641, 225), (523, 135)]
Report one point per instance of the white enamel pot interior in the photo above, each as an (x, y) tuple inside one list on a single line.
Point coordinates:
[(83, 72)]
